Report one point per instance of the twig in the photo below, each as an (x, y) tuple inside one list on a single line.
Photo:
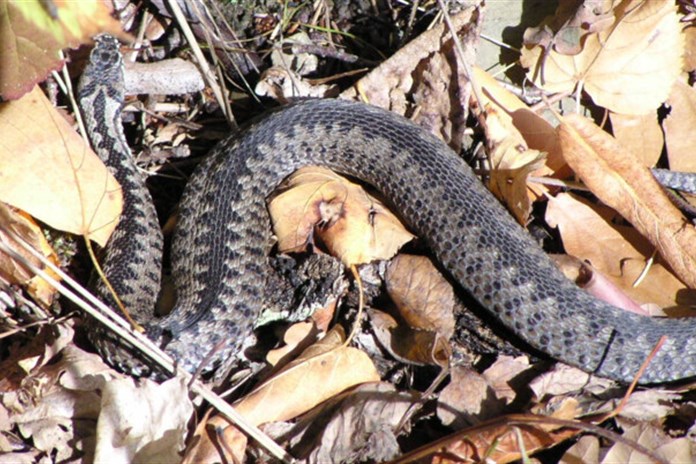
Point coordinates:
[(208, 73), (98, 310), (460, 53)]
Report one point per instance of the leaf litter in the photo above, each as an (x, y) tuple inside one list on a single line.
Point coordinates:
[(332, 402)]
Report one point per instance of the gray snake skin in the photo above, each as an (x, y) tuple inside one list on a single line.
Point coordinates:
[(222, 240)]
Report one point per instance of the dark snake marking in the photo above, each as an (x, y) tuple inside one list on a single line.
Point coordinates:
[(221, 243)]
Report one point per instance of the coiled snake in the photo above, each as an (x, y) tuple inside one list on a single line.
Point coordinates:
[(221, 243)]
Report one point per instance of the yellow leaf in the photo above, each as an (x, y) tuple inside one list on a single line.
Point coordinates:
[(628, 68), (15, 272), (32, 32), (354, 226), (47, 170)]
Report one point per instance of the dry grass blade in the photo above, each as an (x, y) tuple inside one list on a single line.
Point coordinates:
[(208, 73), (95, 308)]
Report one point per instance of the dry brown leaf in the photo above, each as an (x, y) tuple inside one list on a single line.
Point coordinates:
[(566, 380), (142, 422), (652, 438), (439, 85), (323, 370), (640, 135), (357, 426), (511, 164), (500, 374), (409, 345), (586, 449), (354, 226), (501, 440), (572, 21), (12, 271), (297, 337), (468, 399), (47, 170), (425, 299), (680, 135), (535, 130), (628, 68), (619, 252), (621, 182), (215, 440)]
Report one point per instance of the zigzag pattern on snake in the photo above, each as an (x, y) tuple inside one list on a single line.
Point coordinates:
[(221, 243)]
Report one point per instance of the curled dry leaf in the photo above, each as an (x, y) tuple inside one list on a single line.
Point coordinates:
[(425, 299), (143, 422), (357, 426), (440, 86), (628, 67), (511, 164), (537, 132), (354, 226), (621, 182), (322, 370), (680, 135), (617, 251), (468, 399), (409, 345), (215, 440), (565, 30), (12, 271), (501, 440), (47, 170)]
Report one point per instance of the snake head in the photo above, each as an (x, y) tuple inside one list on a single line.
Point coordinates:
[(105, 54)]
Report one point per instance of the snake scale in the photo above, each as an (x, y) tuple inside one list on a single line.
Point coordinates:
[(222, 240)]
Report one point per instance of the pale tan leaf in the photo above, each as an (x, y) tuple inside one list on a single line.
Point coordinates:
[(652, 438), (680, 135), (502, 371), (563, 380), (354, 226), (143, 422), (585, 450), (628, 68), (468, 399), (206, 447), (47, 170), (690, 49), (323, 370), (640, 135), (618, 251), (621, 182), (296, 337)]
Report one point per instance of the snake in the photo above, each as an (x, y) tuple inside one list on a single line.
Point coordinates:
[(220, 247)]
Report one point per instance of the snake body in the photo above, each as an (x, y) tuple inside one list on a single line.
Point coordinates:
[(222, 240)]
